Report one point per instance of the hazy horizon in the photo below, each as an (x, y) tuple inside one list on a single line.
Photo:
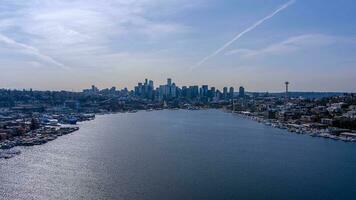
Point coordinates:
[(71, 45)]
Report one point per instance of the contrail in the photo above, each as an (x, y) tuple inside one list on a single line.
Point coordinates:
[(255, 25), (31, 50)]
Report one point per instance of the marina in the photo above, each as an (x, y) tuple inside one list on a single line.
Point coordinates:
[(37, 137)]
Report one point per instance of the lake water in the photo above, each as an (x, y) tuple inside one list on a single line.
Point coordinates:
[(206, 154)]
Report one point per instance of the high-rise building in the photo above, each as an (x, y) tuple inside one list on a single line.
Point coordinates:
[(167, 91), (150, 90), (225, 93), (212, 89), (211, 93), (193, 91), (173, 90), (231, 93), (241, 92), (140, 89), (205, 89), (184, 92), (145, 90), (218, 95)]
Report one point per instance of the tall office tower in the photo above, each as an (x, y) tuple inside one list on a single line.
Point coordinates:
[(173, 90), (231, 93), (169, 81), (205, 89), (213, 90), (140, 89), (211, 93), (162, 92), (225, 93), (218, 94), (189, 92), (241, 92), (184, 91), (194, 91), (150, 90), (145, 89), (286, 95), (136, 91)]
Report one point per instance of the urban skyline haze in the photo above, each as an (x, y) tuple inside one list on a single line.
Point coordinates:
[(71, 45)]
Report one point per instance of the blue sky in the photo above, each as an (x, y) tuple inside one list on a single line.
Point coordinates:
[(62, 44)]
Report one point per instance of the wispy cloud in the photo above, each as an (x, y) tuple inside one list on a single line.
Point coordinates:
[(293, 44), (238, 36), (31, 51)]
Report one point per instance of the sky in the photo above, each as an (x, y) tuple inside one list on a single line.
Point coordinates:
[(258, 44)]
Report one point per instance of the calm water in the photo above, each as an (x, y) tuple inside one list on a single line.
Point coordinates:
[(181, 155)]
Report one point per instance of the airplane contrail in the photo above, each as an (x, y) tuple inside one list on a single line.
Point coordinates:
[(238, 36), (31, 50)]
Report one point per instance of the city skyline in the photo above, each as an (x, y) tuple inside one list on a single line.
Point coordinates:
[(70, 45)]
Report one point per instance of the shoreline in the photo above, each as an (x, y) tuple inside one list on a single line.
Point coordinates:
[(297, 128), (48, 133), (37, 137)]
